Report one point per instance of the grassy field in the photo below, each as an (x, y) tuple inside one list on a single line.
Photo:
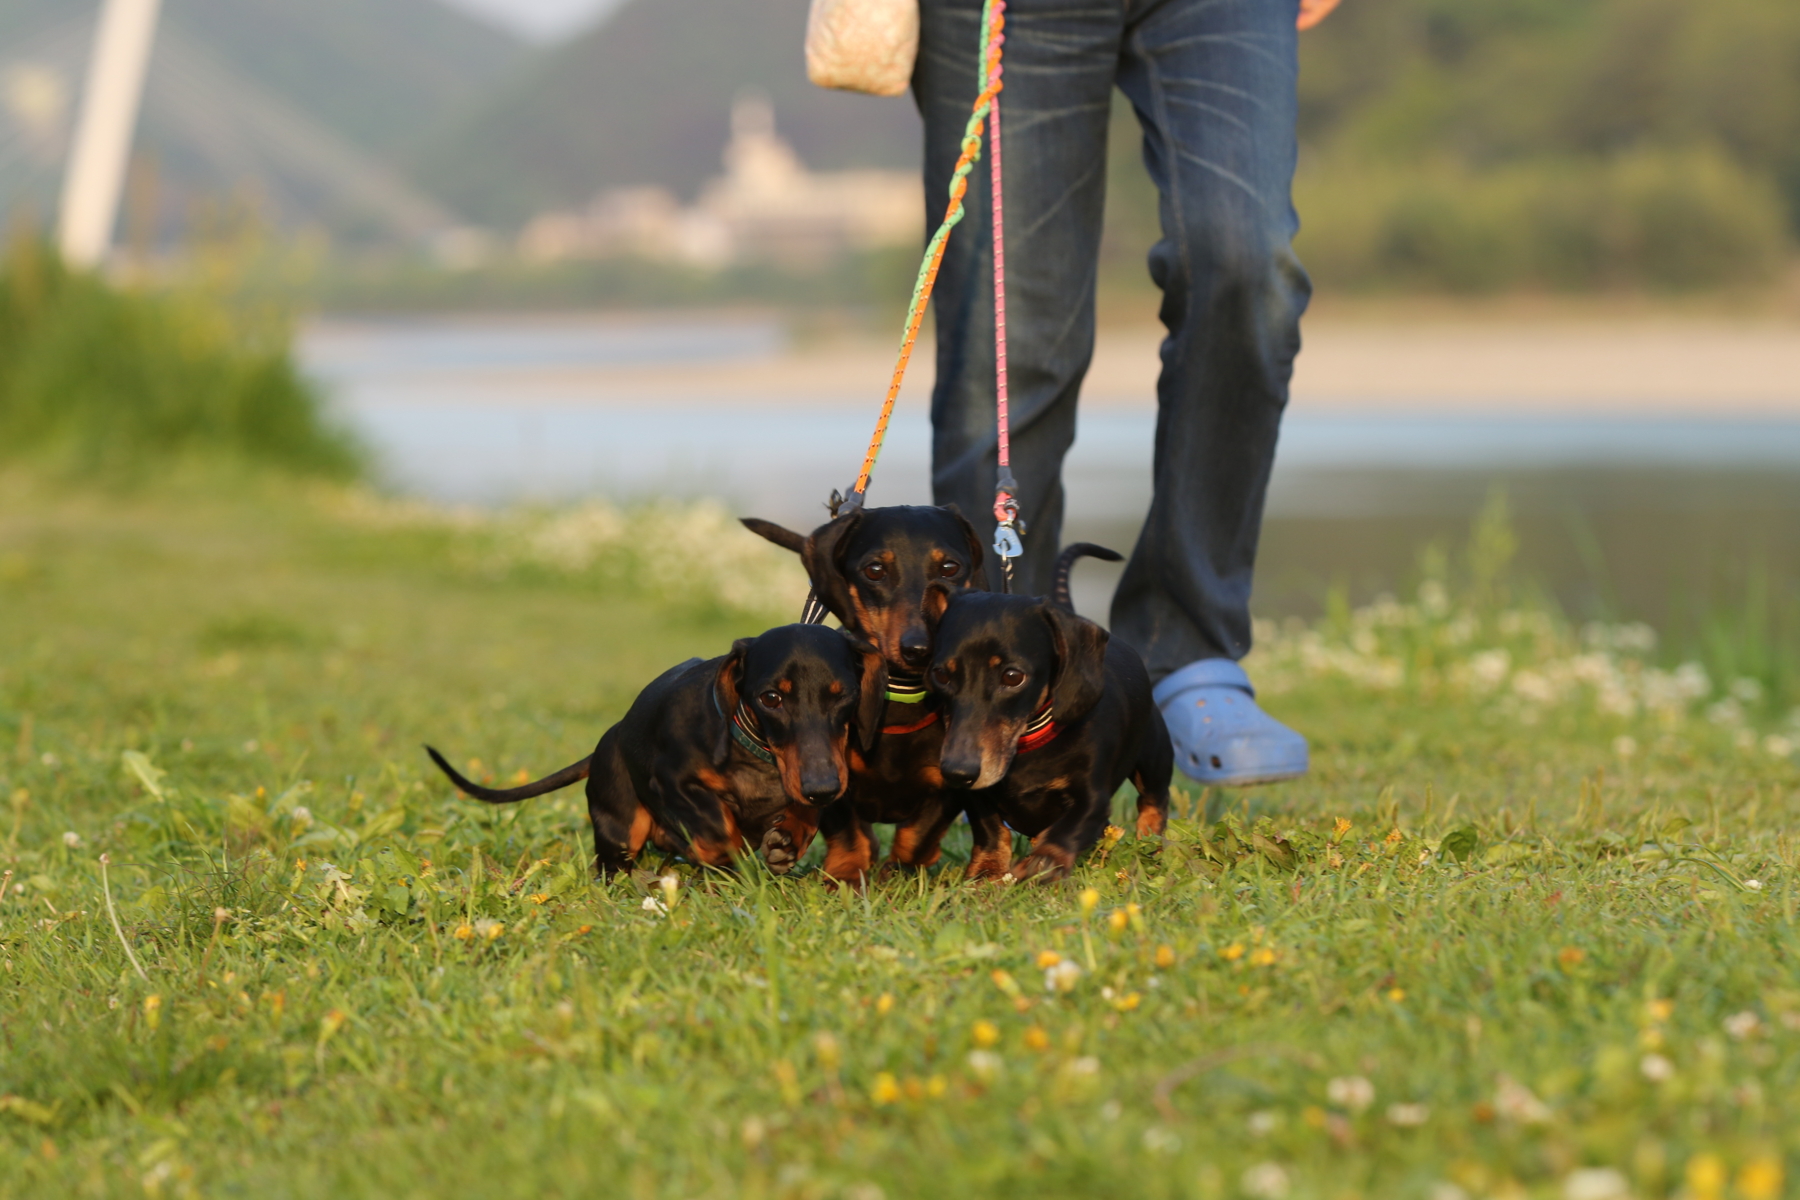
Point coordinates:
[(1527, 930)]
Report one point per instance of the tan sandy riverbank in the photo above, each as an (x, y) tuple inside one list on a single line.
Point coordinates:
[(1666, 366)]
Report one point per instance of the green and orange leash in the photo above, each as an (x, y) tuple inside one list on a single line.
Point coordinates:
[(1009, 528)]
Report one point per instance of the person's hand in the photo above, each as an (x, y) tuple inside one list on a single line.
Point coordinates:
[(1314, 11)]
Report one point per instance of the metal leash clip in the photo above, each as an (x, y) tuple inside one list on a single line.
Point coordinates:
[(1009, 526)]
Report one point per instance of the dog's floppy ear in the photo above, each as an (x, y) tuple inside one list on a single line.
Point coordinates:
[(782, 536), (1080, 663), (725, 689), (872, 705), (937, 601), (823, 553), (977, 552)]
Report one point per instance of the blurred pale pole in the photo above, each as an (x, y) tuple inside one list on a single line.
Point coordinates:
[(109, 108)]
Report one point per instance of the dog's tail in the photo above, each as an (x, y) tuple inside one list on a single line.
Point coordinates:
[(1059, 580), (573, 773)]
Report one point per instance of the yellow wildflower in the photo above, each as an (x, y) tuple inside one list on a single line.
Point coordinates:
[(1396, 994), (463, 932), (1113, 833), (1090, 900), (1395, 836), (984, 1033), (1706, 1177), (825, 1045), (153, 1011), (1165, 957), (1232, 952), (936, 1086), (1661, 1010), (886, 1089), (1570, 956), (1341, 827), (1047, 959), (1264, 957), (330, 1023), (1760, 1178), (1128, 1002), (1037, 1039), (884, 1004), (1117, 920), (540, 897), (493, 930)]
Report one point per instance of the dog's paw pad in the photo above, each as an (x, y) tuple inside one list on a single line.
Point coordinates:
[(779, 851)]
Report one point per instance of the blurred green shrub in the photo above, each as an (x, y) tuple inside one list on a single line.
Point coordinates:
[(1664, 219), (97, 380)]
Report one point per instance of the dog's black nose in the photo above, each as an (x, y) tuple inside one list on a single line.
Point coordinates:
[(819, 791), (915, 654), (960, 774)]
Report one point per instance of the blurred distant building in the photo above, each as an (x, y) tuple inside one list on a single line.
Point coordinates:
[(766, 206)]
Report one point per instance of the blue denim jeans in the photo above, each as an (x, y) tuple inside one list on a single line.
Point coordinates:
[(1213, 86)]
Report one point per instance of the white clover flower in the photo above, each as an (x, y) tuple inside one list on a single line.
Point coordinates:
[(985, 1065), (1263, 1122), (1266, 1181), (1350, 1091), (1656, 1068), (1062, 977), (1158, 1140), (1408, 1116), (1516, 1102), (1749, 691), (652, 905), (71, 839), (1596, 1183), (1743, 1025)]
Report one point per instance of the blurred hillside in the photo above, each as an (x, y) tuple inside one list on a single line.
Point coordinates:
[(1447, 145), (645, 98), (311, 108), (1476, 144)]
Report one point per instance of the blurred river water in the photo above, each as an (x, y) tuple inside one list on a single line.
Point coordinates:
[(1654, 517)]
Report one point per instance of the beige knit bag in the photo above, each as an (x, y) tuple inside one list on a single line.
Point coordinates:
[(862, 45)]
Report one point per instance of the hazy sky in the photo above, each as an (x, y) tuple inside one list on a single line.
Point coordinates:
[(542, 20)]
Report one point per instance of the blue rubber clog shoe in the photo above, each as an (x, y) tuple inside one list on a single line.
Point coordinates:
[(1220, 735)]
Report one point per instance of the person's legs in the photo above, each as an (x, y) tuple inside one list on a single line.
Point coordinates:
[(1061, 58), (1214, 88), (1213, 85)]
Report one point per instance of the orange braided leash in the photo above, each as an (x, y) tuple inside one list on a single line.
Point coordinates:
[(993, 21)]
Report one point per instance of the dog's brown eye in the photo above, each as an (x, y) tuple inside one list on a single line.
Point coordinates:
[(940, 676), (948, 570), (1012, 677), (875, 572), (770, 700)]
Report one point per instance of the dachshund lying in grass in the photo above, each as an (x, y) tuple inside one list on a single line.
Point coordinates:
[(1045, 718), (712, 753)]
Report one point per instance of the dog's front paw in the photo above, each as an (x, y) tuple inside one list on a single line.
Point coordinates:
[(780, 850), (1043, 866)]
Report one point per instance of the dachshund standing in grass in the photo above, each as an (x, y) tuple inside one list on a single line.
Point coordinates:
[(871, 569), (712, 753), (1045, 717)]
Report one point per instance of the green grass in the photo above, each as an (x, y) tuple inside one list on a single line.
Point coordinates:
[(99, 381), (1539, 898)]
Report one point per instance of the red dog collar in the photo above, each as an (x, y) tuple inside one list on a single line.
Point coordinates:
[(1041, 730)]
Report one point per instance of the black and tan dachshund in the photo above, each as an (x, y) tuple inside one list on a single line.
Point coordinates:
[(871, 569), (1045, 717), (712, 753)]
